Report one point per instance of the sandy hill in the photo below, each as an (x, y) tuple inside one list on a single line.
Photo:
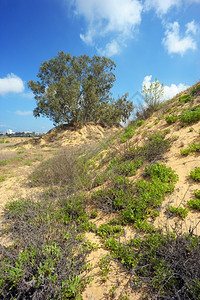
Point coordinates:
[(104, 210)]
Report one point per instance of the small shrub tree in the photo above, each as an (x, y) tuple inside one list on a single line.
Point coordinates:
[(153, 95)]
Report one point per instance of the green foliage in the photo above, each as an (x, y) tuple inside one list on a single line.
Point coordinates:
[(194, 203), (136, 202), (191, 148), (107, 230), (152, 149), (49, 255), (104, 264), (191, 115), (2, 178), (171, 119), (94, 214), (160, 261), (126, 168), (77, 90), (197, 193), (195, 90), (161, 172), (185, 98), (153, 95), (195, 175), (130, 131), (4, 162), (178, 211)]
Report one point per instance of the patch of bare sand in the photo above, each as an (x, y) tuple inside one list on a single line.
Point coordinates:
[(118, 283)]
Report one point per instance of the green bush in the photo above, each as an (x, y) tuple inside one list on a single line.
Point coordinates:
[(194, 203), (195, 175), (185, 98), (178, 211), (171, 119), (191, 115), (48, 258), (197, 193), (153, 149), (168, 265), (126, 168), (191, 148), (195, 90)]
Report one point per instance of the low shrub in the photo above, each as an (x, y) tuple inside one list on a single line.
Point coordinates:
[(195, 90), (178, 211), (191, 148), (190, 116), (185, 98), (152, 150), (169, 265), (130, 130), (171, 119), (126, 168), (195, 175), (48, 259), (195, 203)]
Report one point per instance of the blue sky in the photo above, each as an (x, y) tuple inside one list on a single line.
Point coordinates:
[(145, 38)]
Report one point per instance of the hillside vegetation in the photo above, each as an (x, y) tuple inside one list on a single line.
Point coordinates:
[(105, 213)]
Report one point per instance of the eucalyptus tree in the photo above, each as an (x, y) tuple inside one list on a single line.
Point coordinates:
[(74, 89)]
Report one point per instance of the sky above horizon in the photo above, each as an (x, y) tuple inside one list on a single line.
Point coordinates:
[(145, 38)]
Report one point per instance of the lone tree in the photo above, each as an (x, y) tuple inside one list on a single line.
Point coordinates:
[(77, 90)]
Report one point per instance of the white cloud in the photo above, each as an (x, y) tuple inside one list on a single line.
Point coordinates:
[(161, 6), (23, 113), (173, 90), (191, 27), (107, 17), (175, 43), (169, 91), (111, 49), (11, 84), (147, 81)]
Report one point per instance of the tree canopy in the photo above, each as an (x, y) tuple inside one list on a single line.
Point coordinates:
[(77, 90)]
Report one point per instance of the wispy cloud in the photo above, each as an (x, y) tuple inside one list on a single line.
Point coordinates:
[(28, 95), (23, 113), (11, 84), (161, 6), (109, 17), (169, 91), (174, 42)]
